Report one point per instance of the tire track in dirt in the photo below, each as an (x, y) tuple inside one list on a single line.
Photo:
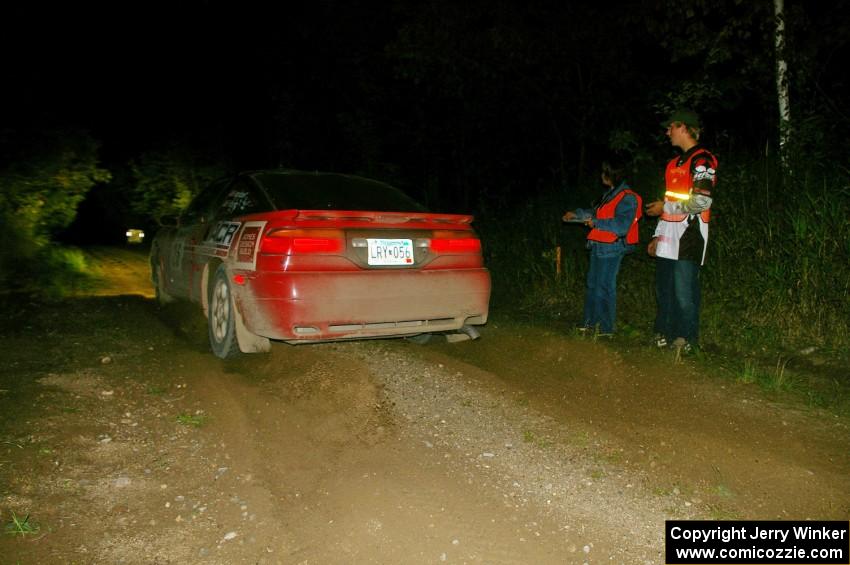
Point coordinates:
[(314, 430), (726, 447), (527, 457)]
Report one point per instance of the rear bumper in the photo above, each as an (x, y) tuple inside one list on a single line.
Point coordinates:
[(325, 306)]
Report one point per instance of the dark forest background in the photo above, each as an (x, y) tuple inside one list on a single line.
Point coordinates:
[(117, 114)]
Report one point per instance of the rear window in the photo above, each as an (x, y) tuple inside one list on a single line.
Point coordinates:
[(327, 191)]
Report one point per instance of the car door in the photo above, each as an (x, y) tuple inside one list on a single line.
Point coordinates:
[(239, 198), (192, 228)]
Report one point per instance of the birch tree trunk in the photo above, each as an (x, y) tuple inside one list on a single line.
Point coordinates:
[(782, 82)]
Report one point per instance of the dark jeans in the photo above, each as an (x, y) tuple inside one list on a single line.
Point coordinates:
[(600, 302), (677, 294)]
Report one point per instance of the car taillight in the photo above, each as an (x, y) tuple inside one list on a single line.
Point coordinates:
[(303, 242), (454, 242)]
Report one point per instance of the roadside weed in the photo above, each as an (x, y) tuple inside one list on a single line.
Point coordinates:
[(749, 373), (580, 439), (194, 420), (779, 379), (544, 442), (717, 512), (21, 526), (723, 491), (529, 436), (776, 379)]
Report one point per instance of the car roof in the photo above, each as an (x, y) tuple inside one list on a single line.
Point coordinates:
[(289, 189)]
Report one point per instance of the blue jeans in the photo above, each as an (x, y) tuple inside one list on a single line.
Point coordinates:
[(677, 293), (600, 301)]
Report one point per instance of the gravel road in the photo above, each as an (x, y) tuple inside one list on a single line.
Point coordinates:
[(125, 441)]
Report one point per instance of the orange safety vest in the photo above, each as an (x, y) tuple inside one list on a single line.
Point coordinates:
[(680, 184), (607, 210)]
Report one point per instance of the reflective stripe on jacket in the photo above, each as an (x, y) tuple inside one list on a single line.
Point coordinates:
[(680, 184), (607, 210)]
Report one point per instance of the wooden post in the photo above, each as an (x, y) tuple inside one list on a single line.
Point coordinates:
[(558, 262)]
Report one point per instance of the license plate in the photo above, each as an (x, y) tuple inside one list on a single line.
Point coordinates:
[(390, 251)]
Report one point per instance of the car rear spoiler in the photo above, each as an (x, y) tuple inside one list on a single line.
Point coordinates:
[(382, 217)]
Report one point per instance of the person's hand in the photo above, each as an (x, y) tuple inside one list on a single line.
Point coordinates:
[(569, 216), (589, 222), (653, 243), (654, 208)]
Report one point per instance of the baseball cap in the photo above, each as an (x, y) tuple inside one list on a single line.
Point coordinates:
[(687, 117)]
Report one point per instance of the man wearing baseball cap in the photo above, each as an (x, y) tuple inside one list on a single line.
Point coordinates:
[(681, 235)]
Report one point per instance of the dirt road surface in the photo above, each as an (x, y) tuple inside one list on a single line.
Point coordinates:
[(125, 441)]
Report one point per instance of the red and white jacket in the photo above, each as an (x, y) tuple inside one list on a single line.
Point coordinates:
[(689, 180)]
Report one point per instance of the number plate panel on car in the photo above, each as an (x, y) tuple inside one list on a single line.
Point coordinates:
[(390, 251)]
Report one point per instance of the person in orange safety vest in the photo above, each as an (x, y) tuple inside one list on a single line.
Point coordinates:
[(681, 235), (614, 232)]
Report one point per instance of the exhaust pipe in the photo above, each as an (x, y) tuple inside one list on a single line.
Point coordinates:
[(470, 331), (464, 333)]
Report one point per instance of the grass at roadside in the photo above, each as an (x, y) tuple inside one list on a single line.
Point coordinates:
[(51, 272), (817, 381), (57, 271), (775, 286)]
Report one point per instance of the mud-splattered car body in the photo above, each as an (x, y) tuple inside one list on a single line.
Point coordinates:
[(305, 257)]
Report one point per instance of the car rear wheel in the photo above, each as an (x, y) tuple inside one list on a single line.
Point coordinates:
[(222, 321)]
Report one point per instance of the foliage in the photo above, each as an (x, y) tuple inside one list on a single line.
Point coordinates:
[(792, 288), (43, 178), (777, 276), (165, 181)]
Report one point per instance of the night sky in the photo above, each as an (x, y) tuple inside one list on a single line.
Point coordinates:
[(130, 79), (477, 101), (138, 77)]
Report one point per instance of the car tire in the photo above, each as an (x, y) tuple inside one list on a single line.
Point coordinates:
[(222, 317), (162, 296)]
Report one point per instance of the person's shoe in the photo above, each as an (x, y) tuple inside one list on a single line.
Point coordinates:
[(660, 341), (604, 335)]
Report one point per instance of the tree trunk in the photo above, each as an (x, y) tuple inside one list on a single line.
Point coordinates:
[(782, 82)]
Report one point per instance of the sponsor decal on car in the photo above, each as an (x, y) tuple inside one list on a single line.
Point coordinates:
[(219, 239), (246, 247), (222, 233)]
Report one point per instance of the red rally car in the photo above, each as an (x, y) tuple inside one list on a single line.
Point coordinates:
[(307, 257)]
